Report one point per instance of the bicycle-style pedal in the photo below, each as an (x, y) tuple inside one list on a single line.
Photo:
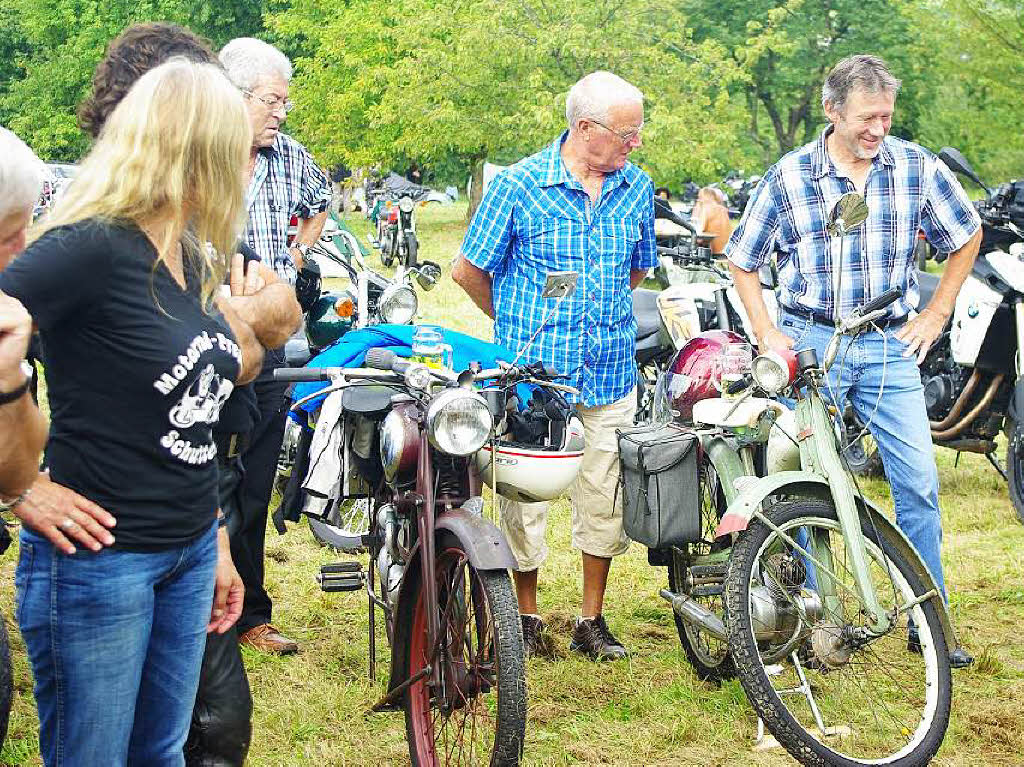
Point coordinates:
[(341, 576)]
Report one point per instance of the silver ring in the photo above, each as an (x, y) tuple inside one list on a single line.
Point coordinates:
[(67, 523)]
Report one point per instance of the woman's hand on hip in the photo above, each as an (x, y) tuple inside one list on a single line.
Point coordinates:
[(229, 591), (64, 517)]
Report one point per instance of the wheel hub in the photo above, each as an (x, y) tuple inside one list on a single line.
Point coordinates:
[(828, 641)]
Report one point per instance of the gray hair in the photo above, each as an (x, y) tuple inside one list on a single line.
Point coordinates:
[(248, 61), (866, 73), (595, 94), (21, 175)]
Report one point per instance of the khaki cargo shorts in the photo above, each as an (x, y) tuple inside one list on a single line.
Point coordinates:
[(596, 507)]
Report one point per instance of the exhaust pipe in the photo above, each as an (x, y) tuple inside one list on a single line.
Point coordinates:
[(695, 614)]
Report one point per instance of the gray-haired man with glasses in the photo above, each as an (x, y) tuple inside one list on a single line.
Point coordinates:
[(283, 181)]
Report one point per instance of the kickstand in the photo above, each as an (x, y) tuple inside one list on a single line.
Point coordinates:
[(995, 464)]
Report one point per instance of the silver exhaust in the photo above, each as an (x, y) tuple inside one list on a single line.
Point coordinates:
[(695, 614)]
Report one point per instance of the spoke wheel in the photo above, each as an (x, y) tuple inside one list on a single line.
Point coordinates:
[(476, 714), (708, 655), (1015, 465), (350, 517), (874, 702)]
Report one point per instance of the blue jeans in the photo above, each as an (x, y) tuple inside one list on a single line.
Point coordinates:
[(867, 365), (116, 640)]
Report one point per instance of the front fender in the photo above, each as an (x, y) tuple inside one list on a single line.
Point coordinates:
[(806, 484), (481, 539)]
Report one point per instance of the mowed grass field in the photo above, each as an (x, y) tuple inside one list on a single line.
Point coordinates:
[(312, 709)]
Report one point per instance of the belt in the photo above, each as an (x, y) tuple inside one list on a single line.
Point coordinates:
[(230, 444), (821, 319)]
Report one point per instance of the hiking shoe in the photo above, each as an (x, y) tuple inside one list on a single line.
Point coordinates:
[(533, 636), (593, 638), (958, 658)]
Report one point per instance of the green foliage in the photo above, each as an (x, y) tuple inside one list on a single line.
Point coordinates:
[(57, 43), (486, 79), (786, 47)]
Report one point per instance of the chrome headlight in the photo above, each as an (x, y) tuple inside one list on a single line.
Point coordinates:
[(772, 371), (458, 422), (405, 204), (399, 439), (398, 304)]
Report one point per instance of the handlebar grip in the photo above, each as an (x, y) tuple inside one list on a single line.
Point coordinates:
[(298, 375), (738, 385), (882, 301), (380, 359)]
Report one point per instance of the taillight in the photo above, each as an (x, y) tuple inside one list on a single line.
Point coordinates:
[(393, 215)]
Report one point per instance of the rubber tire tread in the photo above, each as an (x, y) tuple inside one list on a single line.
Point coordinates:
[(497, 585), (412, 249), (6, 680), (763, 698), (1016, 483)]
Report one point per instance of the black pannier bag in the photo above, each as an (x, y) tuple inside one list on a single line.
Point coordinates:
[(660, 481)]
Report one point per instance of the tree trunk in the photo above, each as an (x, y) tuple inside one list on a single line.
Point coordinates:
[(476, 191)]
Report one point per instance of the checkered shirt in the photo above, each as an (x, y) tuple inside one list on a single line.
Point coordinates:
[(907, 189), (536, 218), (285, 182)]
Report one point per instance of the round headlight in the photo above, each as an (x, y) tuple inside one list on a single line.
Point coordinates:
[(771, 372), (405, 204), (392, 443), (397, 304), (458, 422)]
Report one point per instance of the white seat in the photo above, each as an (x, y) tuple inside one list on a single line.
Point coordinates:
[(720, 411)]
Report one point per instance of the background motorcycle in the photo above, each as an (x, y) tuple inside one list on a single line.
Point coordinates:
[(971, 375)]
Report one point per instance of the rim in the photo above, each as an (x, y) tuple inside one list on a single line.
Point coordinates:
[(877, 705), (456, 722), (710, 650), (351, 516)]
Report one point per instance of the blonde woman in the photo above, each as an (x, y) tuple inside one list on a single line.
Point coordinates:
[(138, 360)]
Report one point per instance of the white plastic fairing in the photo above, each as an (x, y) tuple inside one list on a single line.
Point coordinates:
[(1009, 267), (975, 306)]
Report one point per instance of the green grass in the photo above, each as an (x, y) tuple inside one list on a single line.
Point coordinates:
[(311, 709)]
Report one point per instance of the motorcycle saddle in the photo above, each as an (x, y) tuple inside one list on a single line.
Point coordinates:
[(371, 401), (645, 309)]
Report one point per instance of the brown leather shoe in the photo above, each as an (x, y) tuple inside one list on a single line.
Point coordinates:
[(268, 639)]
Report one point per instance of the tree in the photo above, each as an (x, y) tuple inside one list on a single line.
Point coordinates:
[(786, 47), (484, 79), (61, 41)]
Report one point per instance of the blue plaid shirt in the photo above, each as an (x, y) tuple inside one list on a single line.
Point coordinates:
[(907, 189), (536, 218), (285, 182)]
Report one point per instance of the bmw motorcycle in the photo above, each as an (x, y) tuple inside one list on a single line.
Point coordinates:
[(972, 380)]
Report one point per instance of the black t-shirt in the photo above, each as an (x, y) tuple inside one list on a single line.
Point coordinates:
[(136, 374), (239, 414)]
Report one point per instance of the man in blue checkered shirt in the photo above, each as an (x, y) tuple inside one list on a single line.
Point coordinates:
[(907, 189), (578, 205)]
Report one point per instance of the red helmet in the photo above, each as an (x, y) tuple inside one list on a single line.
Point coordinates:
[(693, 374)]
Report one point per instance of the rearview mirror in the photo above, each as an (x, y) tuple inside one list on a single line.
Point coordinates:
[(957, 163), (427, 274), (848, 214)]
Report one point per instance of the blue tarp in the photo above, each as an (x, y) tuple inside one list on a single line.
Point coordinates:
[(350, 352)]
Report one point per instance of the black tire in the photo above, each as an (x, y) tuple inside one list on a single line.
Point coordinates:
[(874, 710), (1015, 465), (859, 448), (349, 517), (6, 681), (488, 640), (412, 250), (709, 656)]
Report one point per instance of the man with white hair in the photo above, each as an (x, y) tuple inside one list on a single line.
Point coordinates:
[(283, 181), (22, 426), (577, 205)]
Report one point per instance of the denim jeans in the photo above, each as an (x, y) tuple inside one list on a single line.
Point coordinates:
[(885, 391), (116, 640)]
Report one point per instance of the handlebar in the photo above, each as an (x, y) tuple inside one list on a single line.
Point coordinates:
[(882, 301), (300, 375)]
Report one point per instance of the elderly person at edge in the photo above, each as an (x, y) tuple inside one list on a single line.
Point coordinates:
[(906, 189), (22, 426), (577, 205), (283, 181)]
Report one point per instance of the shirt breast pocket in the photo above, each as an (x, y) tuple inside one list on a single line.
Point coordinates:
[(552, 242), (619, 237)]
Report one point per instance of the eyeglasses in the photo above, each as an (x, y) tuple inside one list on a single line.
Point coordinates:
[(272, 102), (626, 138)]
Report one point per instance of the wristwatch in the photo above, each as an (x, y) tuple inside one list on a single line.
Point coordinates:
[(12, 504), (17, 392), (302, 247)]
